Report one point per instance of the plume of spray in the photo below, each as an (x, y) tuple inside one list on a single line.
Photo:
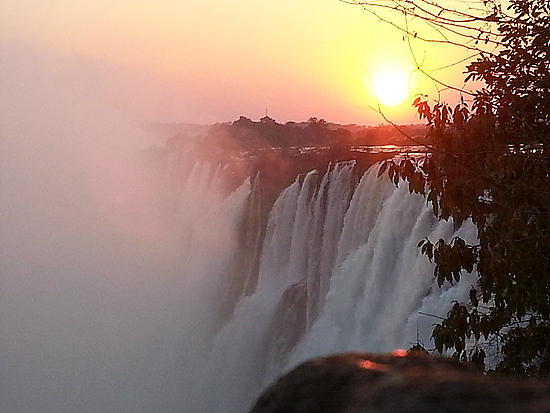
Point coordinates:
[(106, 270), (113, 259)]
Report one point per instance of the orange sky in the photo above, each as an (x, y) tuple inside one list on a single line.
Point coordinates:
[(207, 61)]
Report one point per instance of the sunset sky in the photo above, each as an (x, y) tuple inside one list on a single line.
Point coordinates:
[(206, 61)]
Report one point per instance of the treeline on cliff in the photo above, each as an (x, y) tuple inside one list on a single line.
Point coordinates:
[(247, 134), (279, 152)]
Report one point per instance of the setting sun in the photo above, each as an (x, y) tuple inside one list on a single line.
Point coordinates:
[(391, 87)]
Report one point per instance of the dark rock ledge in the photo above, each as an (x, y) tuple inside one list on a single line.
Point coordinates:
[(398, 383)]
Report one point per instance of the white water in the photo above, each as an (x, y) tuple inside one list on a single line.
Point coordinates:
[(356, 264)]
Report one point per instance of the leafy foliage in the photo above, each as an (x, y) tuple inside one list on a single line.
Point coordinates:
[(490, 163)]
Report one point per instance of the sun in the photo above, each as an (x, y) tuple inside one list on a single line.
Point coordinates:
[(391, 87)]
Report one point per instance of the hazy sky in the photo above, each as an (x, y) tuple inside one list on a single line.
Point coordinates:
[(212, 60)]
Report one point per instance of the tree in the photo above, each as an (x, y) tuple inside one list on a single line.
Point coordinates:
[(489, 161)]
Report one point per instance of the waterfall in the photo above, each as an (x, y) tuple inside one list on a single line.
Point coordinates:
[(339, 270)]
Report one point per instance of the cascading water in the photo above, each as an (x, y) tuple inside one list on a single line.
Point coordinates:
[(340, 270)]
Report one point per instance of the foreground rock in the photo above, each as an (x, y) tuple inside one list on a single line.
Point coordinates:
[(400, 383)]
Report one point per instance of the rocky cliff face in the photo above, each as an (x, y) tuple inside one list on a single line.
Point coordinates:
[(398, 383)]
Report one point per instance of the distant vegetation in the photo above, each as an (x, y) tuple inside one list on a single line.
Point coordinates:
[(280, 152), (315, 132), (246, 134)]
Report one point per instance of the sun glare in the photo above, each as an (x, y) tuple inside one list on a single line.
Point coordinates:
[(391, 87)]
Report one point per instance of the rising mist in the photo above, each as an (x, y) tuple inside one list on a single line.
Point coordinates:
[(105, 270)]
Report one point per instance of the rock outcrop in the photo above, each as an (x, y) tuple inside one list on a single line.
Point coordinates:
[(399, 383)]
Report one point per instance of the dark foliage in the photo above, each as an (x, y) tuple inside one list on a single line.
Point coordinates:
[(491, 163)]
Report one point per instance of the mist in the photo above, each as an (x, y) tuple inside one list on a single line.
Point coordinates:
[(102, 299), (117, 256)]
